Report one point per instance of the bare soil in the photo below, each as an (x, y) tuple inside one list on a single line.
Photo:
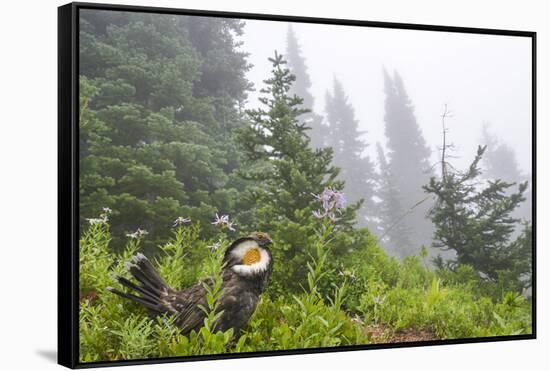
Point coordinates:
[(384, 334)]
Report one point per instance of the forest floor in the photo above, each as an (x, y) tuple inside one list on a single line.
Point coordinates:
[(384, 334)]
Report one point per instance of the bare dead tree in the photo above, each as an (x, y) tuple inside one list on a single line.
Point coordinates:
[(446, 113), (444, 165)]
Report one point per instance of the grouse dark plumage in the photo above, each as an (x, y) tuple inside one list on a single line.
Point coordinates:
[(247, 266)]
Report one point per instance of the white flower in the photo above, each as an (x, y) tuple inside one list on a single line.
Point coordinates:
[(180, 221), (94, 221), (139, 233), (223, 222), (215, 246)]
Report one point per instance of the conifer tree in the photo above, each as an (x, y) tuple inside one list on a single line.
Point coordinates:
[(392, 233), (499, 160), (475, 222), (356, 169), (223, 69), (288, 174), (408, 164), (155, 131), (301, 88), (500, 163)]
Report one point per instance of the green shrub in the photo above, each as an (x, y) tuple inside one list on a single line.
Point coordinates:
[(450, 312), (113, 328), (339, 299)]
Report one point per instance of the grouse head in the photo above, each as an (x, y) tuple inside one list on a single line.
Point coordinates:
[(250, 257)]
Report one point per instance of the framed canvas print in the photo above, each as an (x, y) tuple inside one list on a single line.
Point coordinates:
[(236, 185)]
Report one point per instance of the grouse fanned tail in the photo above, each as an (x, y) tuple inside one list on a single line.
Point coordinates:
[(151, 286)]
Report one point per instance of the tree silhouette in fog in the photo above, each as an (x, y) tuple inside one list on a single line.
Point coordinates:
[(408, 165), (297, 65), (500, 163), (345, 140)]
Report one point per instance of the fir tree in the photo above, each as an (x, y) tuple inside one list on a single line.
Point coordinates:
[(356, 169), (475, 222), (499, 160), (288, 174), (408, 164), (155, 131), (301, 88), (392, 232), (500, 163)]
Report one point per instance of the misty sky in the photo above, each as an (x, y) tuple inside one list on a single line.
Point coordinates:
[(483, 78)]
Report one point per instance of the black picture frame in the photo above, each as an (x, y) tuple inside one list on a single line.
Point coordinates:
[(68, 170)]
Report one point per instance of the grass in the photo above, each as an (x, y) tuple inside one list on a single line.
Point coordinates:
[(374, 298)]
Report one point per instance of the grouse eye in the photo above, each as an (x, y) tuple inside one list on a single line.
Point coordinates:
[(251, 256), (261, 236)]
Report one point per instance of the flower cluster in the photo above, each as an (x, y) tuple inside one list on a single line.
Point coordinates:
[(223, 222), (103, 217), (139, 233), (332, 202), (180, 221)]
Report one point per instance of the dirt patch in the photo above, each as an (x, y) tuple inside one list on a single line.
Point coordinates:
[(379, 334), (413, 335), (384, 334)]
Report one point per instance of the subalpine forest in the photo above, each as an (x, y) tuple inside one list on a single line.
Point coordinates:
[(173, 164)]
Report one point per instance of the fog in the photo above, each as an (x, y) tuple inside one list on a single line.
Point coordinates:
[(482, 78)]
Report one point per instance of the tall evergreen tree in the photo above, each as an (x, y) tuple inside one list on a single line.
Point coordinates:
[(301, 88), (475, 222), (500, 159), (356, 169), (154, 131), (500, 163), (289, 173), (408, 164), (391, 231)]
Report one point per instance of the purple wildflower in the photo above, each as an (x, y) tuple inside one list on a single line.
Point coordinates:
[(331, 202), (340, 200)]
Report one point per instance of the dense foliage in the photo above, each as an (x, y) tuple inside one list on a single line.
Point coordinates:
[(289, 174), (157, 111), (371, 290), (476, 224), (172, 166)]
